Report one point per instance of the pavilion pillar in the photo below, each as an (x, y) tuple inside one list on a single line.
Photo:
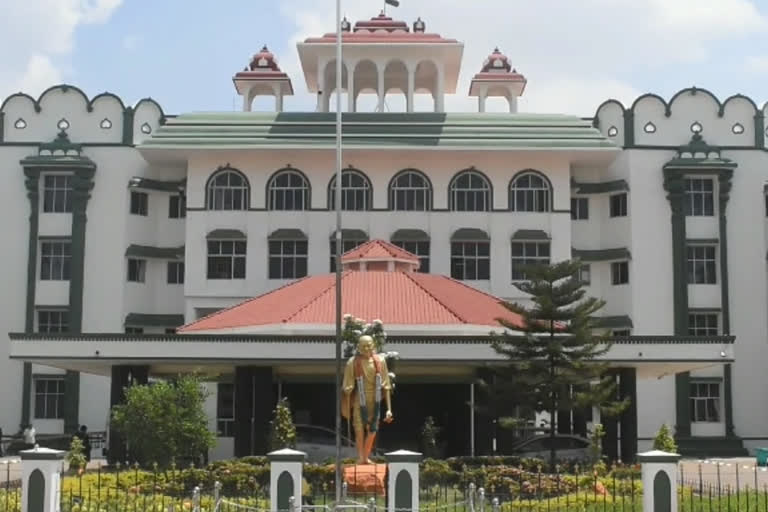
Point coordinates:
[(123, 376), (611, 426), (628, 418), (255, 401)]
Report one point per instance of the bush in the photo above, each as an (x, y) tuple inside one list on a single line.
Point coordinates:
[(76, 455), (282, 431), (664, 440), (165, 421)]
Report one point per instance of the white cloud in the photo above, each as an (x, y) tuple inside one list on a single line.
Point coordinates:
[(574, 54), (40, 33), (757, 64)]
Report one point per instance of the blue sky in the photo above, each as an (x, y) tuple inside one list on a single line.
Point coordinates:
[(575, 54)]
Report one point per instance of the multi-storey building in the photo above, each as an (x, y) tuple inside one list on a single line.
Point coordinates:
[(123, 223)]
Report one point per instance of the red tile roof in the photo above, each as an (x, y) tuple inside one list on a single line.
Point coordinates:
[(402, 298), (378, 250)]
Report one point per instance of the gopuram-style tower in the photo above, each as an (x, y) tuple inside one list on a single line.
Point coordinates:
[(380, 56)]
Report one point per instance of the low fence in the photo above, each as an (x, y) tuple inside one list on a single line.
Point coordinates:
[(702, 487)]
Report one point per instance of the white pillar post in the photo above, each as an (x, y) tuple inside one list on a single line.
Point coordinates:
[(659, 474), (380, 88), (285, 478), (411, 87), (403, 488), (41, 479), (512, 101)]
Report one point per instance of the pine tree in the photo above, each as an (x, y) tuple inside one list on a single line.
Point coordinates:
[(664, 440), (554, 365), (282, 432)]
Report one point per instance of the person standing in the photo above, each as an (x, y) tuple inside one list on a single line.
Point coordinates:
[(82, 434)]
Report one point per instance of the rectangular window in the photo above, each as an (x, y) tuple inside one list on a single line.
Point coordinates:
[(579, 208), (705, 401), (346, 245), (139, 203), (170, 330), (699, 197), (701, 264), (225, 409), (53, 321), (528, 253), (177, 207), (619, 205), (287, 259), (471, 261), (55, 258), (703, 324), (137, 270), (226, 259), (49, 398), (175, 272), (134, 330), (57, 194), (585, 274), (418, 247), (620, 272), (621, 332)]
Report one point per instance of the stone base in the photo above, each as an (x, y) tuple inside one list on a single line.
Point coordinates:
[(366, 479)]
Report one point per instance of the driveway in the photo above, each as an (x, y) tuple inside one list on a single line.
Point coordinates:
[(741, 472)]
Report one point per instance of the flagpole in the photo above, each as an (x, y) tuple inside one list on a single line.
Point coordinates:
[(338, 479)]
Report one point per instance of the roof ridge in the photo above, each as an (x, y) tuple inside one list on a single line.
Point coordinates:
[(316, 297), (247, 301), (411, 275)]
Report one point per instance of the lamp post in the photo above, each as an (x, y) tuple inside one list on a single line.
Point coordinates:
[(338, 251)]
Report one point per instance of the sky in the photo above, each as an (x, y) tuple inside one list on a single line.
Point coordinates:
[(575, 54)]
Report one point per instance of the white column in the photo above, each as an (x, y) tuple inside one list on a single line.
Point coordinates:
[(321, 86), (279, 102), (439, 94), (411, 86), (285, 464), (351, 87), (661, 466), (481, 101), (41, 477), (380, 88), (512, 101), (247, 100)]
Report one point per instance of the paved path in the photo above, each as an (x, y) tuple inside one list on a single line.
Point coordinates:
[(731, 472)]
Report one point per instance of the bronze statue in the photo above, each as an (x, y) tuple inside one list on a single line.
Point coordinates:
[(366, 380)]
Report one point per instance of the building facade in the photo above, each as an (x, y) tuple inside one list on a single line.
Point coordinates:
[(124, 223)]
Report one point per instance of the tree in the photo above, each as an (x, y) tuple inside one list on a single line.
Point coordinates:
[(282, 431), (553, 365), (664, 440), (429, 433), (165, 421)]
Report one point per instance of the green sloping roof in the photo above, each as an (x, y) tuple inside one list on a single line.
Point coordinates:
[(153, 320), (601, 187), (232, 130), (619, 253), (612, 322), (163, 253)]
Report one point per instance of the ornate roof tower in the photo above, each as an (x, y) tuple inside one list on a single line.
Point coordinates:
[(497, 78), (263, 77)]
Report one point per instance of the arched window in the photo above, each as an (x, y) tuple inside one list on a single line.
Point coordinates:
[(410, 190), (355, 191), (530, 192), (228, 189), (469, 192), (288, 190)]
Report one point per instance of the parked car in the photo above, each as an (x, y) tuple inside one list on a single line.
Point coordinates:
[(319, 443), (568, 447)]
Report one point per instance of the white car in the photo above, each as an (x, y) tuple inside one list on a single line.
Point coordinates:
[(568, 447), (319, 443)]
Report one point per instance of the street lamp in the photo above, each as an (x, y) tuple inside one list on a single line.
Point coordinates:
[(339, 68)]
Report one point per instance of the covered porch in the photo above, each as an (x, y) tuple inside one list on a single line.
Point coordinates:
[(436, 376)]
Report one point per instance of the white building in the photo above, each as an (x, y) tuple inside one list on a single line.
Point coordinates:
[(123, 223)]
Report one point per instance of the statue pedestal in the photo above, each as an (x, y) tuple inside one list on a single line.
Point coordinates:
[(366, 479)]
